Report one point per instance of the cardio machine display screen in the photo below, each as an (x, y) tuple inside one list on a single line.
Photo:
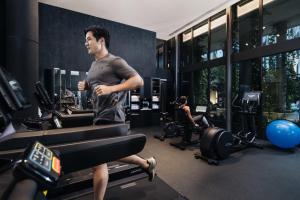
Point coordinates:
[(43, 158), (11, 92), (39, 164)]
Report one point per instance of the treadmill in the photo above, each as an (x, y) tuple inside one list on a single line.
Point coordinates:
[(59, 119), (77, 156), (12, 145)]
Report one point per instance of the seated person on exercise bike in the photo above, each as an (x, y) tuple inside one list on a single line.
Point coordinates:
[(190, 123)]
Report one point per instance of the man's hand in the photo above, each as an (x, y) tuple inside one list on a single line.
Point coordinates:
[(196, 125), (82, 85), (104, 90)]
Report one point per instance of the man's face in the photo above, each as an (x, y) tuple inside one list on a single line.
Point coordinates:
[(93, 46)]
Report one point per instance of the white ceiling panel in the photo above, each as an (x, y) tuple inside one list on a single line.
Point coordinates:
[(165, 17)]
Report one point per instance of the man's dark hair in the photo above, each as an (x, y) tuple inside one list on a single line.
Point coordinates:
[(182, 100), (98, 33)]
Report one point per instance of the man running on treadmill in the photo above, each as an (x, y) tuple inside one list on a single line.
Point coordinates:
[(109, 77)]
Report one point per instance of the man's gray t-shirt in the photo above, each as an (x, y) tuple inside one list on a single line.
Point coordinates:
[(110, 70)]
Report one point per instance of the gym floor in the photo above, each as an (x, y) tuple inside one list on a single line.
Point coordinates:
[(257, 174)]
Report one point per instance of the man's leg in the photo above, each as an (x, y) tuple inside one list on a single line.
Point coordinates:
[(148, 165), (134, 159), (100, 181)]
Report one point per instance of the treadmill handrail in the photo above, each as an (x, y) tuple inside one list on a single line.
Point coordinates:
[(64, 135), (82, 155), (95, 152)]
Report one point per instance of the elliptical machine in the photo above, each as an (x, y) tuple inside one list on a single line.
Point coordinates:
[(217, 144), (248, 109)]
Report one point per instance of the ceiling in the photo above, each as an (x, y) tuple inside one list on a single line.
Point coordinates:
[(165, 17)]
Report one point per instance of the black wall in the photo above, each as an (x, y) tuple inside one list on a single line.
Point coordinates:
[(2, 33), (62, 41), (21, 47)]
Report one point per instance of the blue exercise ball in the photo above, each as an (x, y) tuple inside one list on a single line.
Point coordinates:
[(283, 133)]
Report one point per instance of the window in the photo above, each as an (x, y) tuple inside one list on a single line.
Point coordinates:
[(245, 77), (217, 93), (186, 49), (185, 85), (200, 43), (281, 21), (245, 34), (200, 87), (218, 36), (171, 54), (281, 86), (246, 74)]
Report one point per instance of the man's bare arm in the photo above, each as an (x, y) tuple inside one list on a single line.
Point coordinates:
[(132, 83)]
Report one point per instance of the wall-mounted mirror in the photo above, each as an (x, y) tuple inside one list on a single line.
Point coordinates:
[(61, 85)]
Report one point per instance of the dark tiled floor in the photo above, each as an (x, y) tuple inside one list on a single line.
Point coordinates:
[(250, 174)]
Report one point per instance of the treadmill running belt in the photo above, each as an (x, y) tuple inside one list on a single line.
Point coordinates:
[(140, 190)]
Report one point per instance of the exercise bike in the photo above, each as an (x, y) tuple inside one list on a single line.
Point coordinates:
[(171, 127), (188, 129)]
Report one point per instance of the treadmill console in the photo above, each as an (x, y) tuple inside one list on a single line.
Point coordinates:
[(40, 164)]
